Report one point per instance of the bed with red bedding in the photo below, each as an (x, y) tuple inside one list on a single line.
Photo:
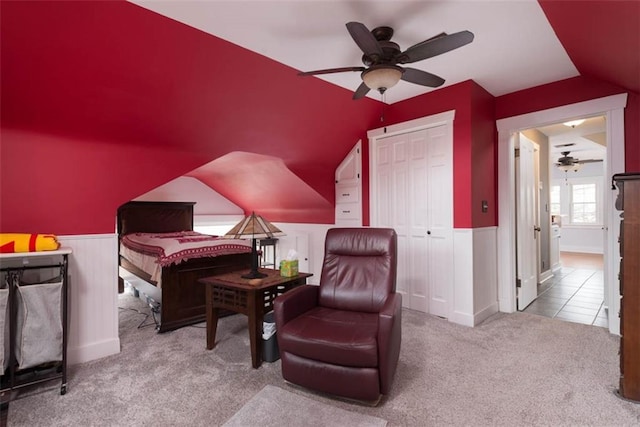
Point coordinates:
[(164, 232)]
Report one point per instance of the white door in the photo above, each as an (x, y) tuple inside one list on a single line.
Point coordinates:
[(440, 220), (413, 185), (392, 195), (527, 228)]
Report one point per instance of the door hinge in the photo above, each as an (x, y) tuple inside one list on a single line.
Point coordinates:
[(518, 283), (517, 152)]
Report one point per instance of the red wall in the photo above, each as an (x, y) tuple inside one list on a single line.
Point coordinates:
[(61, 185), (94, 113), (484, 158)]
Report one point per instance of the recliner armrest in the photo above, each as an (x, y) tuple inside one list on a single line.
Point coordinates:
[(293, 303), (392, 306), (389, 339)]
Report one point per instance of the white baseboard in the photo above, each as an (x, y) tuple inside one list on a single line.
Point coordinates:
[(485, 313), (93, 351), (582, 249), (546, 275), (461, 318)]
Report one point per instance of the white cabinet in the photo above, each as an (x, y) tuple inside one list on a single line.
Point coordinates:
[(349, 189), (554, 251)]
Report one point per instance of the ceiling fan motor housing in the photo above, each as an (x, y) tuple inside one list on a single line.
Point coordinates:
[(390, 51)]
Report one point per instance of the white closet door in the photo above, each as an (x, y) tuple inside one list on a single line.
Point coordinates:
[(413, 184), (417, 207), (439, 194), (391, 191)]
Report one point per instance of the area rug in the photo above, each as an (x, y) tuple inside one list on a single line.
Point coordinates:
[(273, 406)]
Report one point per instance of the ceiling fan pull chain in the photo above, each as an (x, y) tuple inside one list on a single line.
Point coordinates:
[(383, 98)]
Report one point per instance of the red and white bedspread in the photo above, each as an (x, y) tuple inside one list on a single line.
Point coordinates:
[(152, 251)]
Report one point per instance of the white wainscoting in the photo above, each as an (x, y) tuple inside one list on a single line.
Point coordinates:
[(462, 307), (485, 273), (93, 297), (582, 239), (475, 295)]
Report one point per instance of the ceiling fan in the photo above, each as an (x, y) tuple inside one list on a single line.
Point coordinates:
[(568, 163), (382, 56)]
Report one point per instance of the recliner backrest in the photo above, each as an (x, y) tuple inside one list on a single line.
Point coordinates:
[(359, 269)]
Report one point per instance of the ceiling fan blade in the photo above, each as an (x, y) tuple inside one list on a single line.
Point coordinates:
[(420, 77), (362, 90), (364, 39), (331, 70), (589, 161), (435, 46)]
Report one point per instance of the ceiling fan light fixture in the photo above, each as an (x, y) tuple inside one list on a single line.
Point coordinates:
[(382, 78), (570, 167), (574, 123)]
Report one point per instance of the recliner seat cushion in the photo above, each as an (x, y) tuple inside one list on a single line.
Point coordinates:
[(346, 338)]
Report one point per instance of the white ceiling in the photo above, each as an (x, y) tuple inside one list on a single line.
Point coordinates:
[(588, 139), (514, 46)]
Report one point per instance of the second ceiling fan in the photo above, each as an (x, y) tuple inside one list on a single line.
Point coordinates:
[(381, 57), (567, 162)]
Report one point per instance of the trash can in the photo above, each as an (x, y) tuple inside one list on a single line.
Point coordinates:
[(270, 351)]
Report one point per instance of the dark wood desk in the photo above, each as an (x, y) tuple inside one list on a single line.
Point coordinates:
[(232, 292)]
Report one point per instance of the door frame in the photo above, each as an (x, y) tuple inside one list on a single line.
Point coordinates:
[(612, 107)]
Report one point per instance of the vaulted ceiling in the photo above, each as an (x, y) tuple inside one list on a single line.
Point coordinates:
[(517, 45)]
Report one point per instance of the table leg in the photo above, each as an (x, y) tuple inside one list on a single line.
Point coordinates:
[(255, 320), (212, 318)]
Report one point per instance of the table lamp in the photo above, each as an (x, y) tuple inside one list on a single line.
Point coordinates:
[(253, 227)]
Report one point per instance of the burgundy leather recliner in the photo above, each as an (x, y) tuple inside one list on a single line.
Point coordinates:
[(343, 337)]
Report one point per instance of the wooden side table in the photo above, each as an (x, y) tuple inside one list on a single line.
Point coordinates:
[(230, 291)]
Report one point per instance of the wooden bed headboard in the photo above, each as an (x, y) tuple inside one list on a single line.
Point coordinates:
[(155, 217)]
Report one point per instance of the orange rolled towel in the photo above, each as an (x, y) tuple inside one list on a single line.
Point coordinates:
[(24, 242)]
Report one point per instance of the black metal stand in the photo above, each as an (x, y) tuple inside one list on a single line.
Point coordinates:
[(14, 378)]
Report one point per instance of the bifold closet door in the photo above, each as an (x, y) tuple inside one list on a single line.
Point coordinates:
[(413, 178)]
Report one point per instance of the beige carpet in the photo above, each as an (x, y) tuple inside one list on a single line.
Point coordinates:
[(273, 406), (513, 370)]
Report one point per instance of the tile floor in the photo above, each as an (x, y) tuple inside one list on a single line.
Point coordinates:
[(575, 293)]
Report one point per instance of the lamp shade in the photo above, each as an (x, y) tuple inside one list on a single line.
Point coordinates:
[(382, 78), (253, 227)]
